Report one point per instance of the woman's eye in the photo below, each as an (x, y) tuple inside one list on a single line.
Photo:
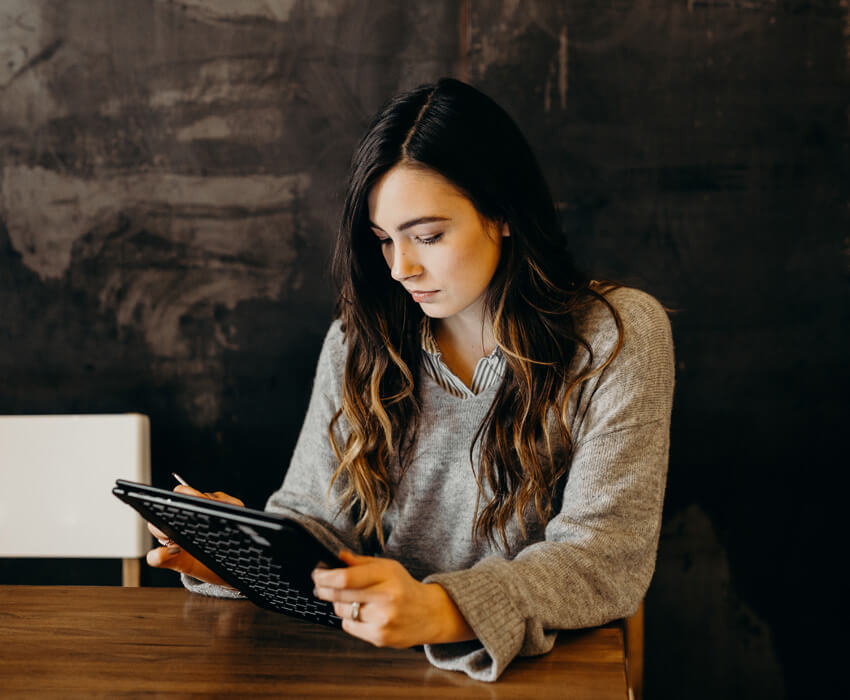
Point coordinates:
[(431, 239), (385, 241)]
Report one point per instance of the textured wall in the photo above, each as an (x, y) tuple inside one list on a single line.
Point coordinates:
[(170, 180)]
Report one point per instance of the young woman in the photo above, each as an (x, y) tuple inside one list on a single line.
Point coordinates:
[(487, 438)]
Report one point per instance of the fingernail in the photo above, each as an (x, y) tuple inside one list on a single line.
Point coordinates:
[(174, 549)]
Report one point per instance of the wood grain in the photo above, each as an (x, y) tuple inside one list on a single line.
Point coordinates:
[(128, 642)]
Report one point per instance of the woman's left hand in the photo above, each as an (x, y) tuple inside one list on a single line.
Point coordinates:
[(395, 609)]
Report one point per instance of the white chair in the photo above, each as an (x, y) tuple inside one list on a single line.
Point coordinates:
[(56, 479)]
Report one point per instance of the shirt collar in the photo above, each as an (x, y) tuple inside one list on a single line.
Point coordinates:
[(429, 342)]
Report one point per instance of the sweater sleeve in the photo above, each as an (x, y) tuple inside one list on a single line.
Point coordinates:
[(598, 555), (304, 494)]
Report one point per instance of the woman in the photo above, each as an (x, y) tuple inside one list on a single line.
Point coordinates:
[(487, 437)]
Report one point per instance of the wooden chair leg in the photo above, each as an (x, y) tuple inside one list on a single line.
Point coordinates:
[(634, 653), (130, 572)]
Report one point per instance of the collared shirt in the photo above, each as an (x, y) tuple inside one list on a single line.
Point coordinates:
[(488, 371)]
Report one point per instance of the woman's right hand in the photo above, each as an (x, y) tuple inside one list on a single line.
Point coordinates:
[(172, 556)]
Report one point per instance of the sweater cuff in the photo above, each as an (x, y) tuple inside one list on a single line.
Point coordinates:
[(209, 589), (489, 610)]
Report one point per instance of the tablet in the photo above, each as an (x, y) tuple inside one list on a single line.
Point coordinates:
[(267, 557)]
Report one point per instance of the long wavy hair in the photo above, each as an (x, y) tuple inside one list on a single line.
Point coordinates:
[(456, 131)]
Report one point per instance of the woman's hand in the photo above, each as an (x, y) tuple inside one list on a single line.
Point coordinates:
[(395, 609), (171, 556)]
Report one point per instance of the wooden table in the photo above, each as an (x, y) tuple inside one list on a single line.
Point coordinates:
[(69, 641)]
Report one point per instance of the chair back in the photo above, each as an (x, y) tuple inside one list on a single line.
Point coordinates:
[(56, 479), (633, 630)]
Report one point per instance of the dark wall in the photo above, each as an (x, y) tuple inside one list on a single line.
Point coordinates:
[(170, 178)]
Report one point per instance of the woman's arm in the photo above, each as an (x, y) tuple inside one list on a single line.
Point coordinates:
[(395, 609), (598, 556), (302, 495)]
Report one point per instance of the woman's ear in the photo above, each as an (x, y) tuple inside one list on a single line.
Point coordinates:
[(506, 231)]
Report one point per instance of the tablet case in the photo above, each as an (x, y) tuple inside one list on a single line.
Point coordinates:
[(267, 557)]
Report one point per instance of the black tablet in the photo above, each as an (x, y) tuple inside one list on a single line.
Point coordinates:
[(266, 557)]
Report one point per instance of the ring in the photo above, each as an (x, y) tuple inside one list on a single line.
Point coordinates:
[(355, 611)]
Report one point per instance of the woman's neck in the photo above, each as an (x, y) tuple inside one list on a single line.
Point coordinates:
[(463, 339)]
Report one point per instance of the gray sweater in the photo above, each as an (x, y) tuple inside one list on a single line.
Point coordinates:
[(590, 563)]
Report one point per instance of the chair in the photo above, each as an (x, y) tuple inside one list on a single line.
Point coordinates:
[(633, 633), (56, 478)]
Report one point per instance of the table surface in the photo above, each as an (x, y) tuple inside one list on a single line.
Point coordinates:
[(77, 641)]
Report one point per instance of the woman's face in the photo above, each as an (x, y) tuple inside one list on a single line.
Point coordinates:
[(436, 244)]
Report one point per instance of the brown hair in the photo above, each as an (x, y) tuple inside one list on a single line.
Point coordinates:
[(533, 298)]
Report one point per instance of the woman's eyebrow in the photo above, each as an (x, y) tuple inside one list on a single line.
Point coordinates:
[(413, 222)]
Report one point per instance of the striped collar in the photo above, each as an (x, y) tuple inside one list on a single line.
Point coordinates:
[(488, 372)]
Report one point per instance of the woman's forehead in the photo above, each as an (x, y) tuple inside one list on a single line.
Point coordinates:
[(406, 192)]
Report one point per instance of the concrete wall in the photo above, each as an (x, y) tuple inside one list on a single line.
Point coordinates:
[(171, 174)]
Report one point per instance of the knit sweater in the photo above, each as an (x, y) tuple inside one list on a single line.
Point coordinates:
[(590, 563)]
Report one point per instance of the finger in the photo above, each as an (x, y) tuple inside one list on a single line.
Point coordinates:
[(191, 566), (211, 495), (346, 612), (224, 498), (336, 576), (370, 572), (188, 490), (159, 534), (353, 559), (346, 595), (164, 557), (176, 559), (368, 632)]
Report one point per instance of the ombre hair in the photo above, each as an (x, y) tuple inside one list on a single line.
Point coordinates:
[(456, 131)]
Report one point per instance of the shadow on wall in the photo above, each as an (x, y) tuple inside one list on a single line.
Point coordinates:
[(693, 601)]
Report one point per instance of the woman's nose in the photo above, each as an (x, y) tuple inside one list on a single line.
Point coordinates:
[(404, 265)]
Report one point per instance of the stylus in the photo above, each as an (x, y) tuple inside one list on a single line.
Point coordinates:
[(181, 479)]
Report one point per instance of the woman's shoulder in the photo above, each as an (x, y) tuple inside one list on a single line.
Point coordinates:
[(335, 344), (644, 322), (335, 336), (331, 364)]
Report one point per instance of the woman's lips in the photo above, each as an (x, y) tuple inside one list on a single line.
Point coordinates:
[(420, 297)]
